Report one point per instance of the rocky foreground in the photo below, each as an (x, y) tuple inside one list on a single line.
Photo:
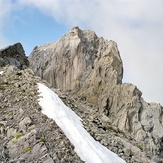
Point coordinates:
[(86, 72), (27, 135)]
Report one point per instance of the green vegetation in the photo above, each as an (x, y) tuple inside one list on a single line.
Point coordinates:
[(15, 141), (42, 139), (27, 149), (21, 145), (2, 87), (139, 146), (23, 90), (17, 135)]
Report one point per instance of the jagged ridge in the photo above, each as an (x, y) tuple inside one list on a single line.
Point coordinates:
[(89, 69)]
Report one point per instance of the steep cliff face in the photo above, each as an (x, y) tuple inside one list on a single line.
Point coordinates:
[(137, 119), (13, 55), (67, 63), (91, 68)]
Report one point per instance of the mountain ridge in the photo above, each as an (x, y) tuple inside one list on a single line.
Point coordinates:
[(91, 68), (87, 72)]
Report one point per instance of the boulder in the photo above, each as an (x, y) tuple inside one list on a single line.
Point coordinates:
[(13, 55)]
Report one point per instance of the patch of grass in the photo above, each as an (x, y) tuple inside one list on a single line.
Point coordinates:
[(42, 139), (23, 90), (15, 141), (139, 146), (17, 135), (81, 111), (21, 145), (2, 87), (27, 149)]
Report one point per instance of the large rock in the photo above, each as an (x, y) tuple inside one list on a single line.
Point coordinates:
[(91, 68), (13, 55)]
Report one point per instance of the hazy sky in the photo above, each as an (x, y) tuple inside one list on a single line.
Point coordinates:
[(136, 26)]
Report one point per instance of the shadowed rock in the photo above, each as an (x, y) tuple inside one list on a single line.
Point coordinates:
[(13, 55)]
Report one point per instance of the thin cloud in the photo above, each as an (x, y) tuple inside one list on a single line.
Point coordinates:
[(4, 15)]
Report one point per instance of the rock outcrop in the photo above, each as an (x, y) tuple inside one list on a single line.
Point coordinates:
[(67, 63), (13, 55), (89, 67)]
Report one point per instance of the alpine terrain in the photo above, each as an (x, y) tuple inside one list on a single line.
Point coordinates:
[(66, 103)]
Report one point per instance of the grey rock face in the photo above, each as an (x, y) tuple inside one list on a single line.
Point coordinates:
[(135, 118), (91, 68), (13, 55), (67, 63)]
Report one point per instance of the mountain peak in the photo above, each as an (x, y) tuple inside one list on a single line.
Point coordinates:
[(88, 71), (90, 68), (75, 53)]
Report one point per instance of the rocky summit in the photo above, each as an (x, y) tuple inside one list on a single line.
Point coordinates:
[(86, 72)]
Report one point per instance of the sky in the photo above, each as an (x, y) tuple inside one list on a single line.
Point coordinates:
[(136, 26), (86, 147)]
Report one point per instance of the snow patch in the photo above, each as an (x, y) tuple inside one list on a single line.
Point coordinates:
[(86, 147), (1, 72)]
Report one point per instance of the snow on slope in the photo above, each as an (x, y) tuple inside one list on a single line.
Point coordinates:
[(1, 72), (86, 147)]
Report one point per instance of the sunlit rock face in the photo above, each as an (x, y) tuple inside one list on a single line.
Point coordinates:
[(91, 68), (67, 63)]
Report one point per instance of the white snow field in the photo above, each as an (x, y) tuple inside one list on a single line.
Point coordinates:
[(88, 149)]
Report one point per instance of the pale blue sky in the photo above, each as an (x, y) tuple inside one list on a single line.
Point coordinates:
[(136, 26), (31, 27)]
